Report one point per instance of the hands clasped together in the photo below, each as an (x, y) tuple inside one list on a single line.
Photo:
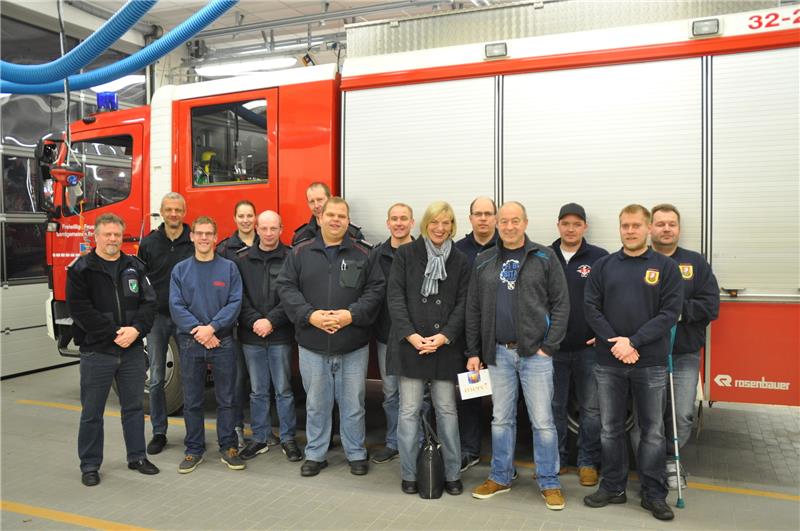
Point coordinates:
[(426, 345), (331, 321), (623, 350)]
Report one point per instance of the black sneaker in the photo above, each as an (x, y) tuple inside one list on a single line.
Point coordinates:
[(659, 508), (312, 468), (359, 467), (291, 450), (156, 444), (453, 488), (144, 466), (601, 498), (230, 457), (253, 449), (272, 439), (469, 461), (90, 479), (385, 454)]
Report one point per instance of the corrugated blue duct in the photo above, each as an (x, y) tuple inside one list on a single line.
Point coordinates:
[(84, 53), (137, 61)]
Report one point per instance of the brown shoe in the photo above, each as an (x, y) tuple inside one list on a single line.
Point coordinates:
[(488, 489), (553, 499), (588, 476), (563, 470)]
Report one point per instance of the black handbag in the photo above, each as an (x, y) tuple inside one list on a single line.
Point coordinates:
[(430, 465)]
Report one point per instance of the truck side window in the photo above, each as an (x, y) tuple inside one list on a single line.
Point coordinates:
[(107, 165), (229, 143)]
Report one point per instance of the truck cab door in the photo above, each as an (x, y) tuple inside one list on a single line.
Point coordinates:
[(226, 150)]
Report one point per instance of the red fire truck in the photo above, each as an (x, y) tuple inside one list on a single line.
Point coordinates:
[(704, 116)]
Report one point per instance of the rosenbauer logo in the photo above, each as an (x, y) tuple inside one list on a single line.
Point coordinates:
[(725, 380)]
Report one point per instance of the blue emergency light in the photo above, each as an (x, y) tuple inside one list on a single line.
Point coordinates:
[(107, 101)]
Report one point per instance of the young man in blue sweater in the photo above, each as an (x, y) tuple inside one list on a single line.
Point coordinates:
[(574, 363), (632, 300), (204, 299)]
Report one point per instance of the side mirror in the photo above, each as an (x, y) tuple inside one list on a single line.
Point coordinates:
[(46, 152)]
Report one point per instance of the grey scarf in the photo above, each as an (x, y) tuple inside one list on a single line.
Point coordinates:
[(435, 271)]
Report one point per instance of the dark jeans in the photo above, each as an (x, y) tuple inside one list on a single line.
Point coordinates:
[(470, 424), (648, 385), (241, 391), (98, 371), (157, 344), (195, 359), (576, 368)]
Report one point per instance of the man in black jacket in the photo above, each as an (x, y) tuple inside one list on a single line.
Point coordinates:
[(332, 291), (317, 194), (112, 305), (399, 221), (160, 251), (700, 307), (266, 336), (575, 360), (632, 300)]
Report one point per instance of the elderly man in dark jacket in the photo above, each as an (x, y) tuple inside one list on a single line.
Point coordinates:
[(113, 306), (426, 297)]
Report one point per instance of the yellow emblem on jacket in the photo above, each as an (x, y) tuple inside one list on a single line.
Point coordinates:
[(651, 276), (687, 271)]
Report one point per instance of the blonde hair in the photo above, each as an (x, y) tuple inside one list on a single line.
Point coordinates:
[(434, 210)]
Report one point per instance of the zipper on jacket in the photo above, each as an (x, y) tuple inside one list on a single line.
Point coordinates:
[(330, 272)]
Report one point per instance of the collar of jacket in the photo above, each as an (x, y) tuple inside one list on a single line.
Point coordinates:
[(421, 253), (385, 249), (319, 242), (184, 237), (487, 245), (556, 245), (93, 261), (645, 255), (254, 251)]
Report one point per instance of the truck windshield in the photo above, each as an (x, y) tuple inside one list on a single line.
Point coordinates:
[(107, 164)]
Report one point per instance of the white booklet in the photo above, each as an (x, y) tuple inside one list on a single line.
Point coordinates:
[(473, 384)]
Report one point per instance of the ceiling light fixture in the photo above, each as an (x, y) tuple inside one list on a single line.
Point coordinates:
[(244, 67), (119, 84)]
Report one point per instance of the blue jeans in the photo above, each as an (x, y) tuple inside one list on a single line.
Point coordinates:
[(412, 395), (342, 378), (240, 390), (157, 345), (576, 368), (685, 373), (391, 397), (98, 370), (535, 373), (269, 366), (195, 359), (648, 386)]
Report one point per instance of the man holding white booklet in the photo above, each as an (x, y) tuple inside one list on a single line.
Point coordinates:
[(518, 278)]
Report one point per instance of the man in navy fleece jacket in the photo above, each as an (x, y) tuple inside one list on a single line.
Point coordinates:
[(205, 295), (632, 300)]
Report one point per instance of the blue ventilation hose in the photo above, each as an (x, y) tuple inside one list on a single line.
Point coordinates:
[(84, 53), (137, 61)]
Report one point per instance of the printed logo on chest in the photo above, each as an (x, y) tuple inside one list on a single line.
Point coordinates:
[(584, 270), (687, 271), (219, 283), (651, 276)]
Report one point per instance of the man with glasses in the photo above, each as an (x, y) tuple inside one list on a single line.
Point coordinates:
[(483, 218)]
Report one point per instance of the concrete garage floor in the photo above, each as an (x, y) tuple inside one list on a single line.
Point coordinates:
[(743, 475)]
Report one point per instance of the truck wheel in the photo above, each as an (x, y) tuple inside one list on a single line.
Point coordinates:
[(173, 389)]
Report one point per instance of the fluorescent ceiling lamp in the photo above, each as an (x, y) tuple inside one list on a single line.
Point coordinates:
[(244, 67), (119, 84)]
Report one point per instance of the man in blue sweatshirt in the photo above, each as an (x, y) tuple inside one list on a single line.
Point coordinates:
[(632, 300), (700, 307), (575, 360), (204, 299)]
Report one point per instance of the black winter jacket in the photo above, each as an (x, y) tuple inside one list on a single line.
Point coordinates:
[(577, 273), (160, 254), (427, 316), (541, 303), (260, 297), (310, 281), (700, 300), (384, 254), (99, 305), (231, 245)]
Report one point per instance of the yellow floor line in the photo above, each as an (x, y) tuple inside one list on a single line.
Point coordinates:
[(67, 518), (518, 464)]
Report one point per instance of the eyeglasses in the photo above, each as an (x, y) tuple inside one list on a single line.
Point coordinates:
[(482, 214)]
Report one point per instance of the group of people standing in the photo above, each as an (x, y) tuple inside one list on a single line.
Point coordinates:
[(543, 319)]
